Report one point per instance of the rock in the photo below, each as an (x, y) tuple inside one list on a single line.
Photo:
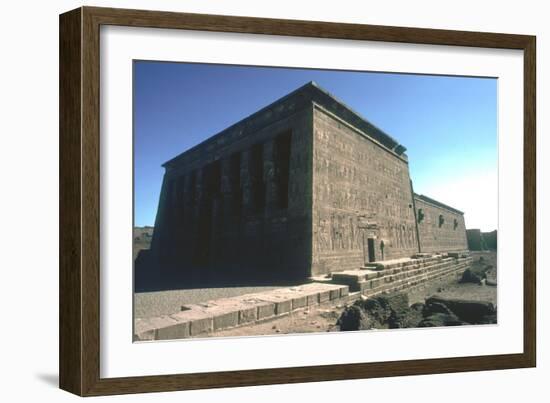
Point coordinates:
[(414, 316), (472, 312), (475, 274), (470, 277), (491, 283), (432, 307), (418, 306), (441, 319), (352, 318), (387, 310)]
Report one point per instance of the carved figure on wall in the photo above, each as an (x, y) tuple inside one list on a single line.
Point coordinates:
[(323, 236)]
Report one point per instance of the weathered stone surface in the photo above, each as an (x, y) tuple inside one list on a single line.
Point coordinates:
[(441, 319), (344, 292), (223, 313), (199, 319), (386, 310), (201, 326), (247, 315), (227, 318), (178, 331), (473, 312), (353, 318), (312, 299), (266, 311), (334, 294), (476, 273), (300, 301), (433, 306), (441, 227), (303, 187), (412, 317), (324, 296)]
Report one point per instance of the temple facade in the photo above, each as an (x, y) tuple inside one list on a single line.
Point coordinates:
[(302, 187)]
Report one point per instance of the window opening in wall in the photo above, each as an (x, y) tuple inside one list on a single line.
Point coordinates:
[(441, 220)]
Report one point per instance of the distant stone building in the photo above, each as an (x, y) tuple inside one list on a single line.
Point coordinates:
[(478, 240), (302, 187)]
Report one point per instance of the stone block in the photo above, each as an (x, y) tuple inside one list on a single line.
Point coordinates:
[(248, 314), (226, 318), (201, 326), (313, 299), (177, 331), (324, 296), (334, 294), (282, 307), (200, 319), (144, 330), (299, 302), (375, 283), (266, 310), (344, 292), (364, 286)]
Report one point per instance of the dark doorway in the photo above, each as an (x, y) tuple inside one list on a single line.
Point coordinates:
[(370, 245)]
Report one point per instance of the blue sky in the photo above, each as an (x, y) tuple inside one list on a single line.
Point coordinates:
[(448, 124)]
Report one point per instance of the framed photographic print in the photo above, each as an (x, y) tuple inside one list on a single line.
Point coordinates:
[(249, 201)]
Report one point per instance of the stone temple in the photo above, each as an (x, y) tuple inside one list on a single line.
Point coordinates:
[(301, 188)]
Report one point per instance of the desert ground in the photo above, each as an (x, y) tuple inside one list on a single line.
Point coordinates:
[(320, 318), (323, 319)]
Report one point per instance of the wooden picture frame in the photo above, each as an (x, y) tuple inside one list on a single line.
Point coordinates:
[(79, 201)]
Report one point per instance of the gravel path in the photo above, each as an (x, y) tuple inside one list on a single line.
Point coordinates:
[(156, 303)]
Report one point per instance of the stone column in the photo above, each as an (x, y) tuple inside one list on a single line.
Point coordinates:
[(160, 219), (246, 182), (197, 196), (226, 191), (270, 176), (178, 209)]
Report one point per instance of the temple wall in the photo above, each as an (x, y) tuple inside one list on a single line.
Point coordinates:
[(239, 207), (362, 199), (440, 229), (300, 188)]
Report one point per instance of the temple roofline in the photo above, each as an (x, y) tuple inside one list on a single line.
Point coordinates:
[(437, 203), (318, 92)]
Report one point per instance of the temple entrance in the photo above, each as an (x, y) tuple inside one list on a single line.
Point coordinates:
[(370, 248)]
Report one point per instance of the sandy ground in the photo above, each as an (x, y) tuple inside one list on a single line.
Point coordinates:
[(315, 319), (323, 319), (450, 288)]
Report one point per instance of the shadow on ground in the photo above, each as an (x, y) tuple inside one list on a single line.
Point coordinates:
[(49, 379)]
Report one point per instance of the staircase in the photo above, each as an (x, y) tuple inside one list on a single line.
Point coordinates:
[(400, 274)]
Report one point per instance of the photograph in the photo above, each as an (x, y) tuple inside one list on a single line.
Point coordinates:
[(274, 200)]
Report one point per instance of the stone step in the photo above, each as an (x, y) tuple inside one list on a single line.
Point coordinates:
[(224, 313), (369, 290), (356, 279)]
